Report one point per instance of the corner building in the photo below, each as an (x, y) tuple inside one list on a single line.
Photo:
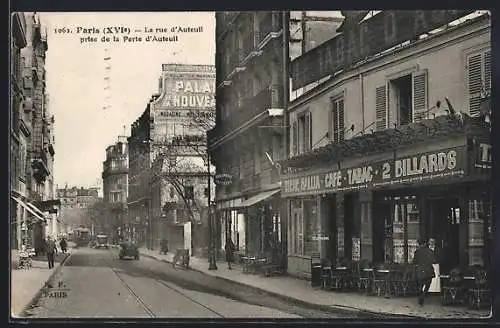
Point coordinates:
[(115, 187), (393, 148), (247, 141)]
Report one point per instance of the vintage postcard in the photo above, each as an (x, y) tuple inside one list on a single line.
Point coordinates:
[(252, 165)]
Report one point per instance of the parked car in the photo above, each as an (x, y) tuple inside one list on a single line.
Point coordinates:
[(102, 241), (129, 249)]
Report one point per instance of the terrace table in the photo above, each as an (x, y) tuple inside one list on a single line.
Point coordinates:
[(387, 278), (247, 263)]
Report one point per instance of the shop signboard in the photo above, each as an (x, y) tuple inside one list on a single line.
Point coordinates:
[(381, 32), (188, 87), (416, 169)]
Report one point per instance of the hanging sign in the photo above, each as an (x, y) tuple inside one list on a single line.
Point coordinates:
[(419, 168)]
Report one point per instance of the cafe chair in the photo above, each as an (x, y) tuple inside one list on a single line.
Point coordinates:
[(365, 277), (354, 276), (379, 281), (452, 288), (326, 275), (479, 294)]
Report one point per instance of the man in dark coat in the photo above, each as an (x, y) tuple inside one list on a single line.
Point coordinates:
[(51, 250), (229, 249), (424, 259)]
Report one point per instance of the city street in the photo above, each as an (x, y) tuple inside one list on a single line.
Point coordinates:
[(98, 284), (95, 283)]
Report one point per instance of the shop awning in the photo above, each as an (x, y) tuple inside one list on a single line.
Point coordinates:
[(36, 209), (258, 198), (29, 209)]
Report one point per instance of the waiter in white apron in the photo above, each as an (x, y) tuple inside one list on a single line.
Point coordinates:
[(436, 281)]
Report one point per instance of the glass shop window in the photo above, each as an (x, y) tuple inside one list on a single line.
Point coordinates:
[(311, 226), (405, 229), (479, 229)]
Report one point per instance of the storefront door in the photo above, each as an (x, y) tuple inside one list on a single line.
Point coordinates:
[(445, 221)]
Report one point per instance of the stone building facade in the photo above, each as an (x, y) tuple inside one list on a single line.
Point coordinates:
[(33, 149), (115, 187)]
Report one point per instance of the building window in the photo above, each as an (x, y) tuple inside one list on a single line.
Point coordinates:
[(337, 119), (189, 192), (305, 227), (304, 132), (256, 158), (172, 192), (407, 103), (478, 79), (401, 89)]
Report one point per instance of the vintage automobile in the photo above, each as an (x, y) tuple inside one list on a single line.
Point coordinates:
[(129, 249), (102, 241)]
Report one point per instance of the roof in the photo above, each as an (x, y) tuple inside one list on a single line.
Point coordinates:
[(388, 139)]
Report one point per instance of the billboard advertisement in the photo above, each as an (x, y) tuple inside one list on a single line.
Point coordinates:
[(191, 88)]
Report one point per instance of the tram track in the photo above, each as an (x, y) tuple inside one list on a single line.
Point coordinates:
[(148, 309)]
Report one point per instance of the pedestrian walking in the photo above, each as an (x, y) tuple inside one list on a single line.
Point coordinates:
[(229, 248), (424, 259), (63, 244), (51, 250)]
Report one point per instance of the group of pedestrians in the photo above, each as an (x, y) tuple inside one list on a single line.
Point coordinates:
[(51, 249)]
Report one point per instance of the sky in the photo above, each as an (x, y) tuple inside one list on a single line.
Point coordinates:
[(88, 117)]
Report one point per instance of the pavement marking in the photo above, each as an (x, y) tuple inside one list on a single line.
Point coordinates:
[(137, 298)]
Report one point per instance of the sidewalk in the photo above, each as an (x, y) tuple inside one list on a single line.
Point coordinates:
[(301, 290), (26, 284)]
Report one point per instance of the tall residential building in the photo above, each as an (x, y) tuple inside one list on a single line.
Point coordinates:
[(32, 162), (252, 53), (20, 130), (139, 165), (181, 115), (168, 173), (115, 186)]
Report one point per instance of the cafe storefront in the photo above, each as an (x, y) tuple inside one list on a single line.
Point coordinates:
[(372, 197)]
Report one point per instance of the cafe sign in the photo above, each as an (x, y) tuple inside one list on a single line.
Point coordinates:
[(415, 169)]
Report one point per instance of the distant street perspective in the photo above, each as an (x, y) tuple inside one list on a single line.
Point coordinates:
[(269, 164)]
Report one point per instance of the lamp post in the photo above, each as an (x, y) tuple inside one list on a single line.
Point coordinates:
[(212, 264)]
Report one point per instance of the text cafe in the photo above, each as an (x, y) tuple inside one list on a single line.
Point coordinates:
[(372, 197)]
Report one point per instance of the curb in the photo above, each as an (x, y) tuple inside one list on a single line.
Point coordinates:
[(36, 298), (326, 308)]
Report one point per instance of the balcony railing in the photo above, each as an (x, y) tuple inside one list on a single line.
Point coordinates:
[(269, 23)]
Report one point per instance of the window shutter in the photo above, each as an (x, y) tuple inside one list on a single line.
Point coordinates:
[(307, 132), (419, 87), (474, 81), (335, 122), (295, 138), (331, 126), (340, 110), (487, 71), (381, 108)]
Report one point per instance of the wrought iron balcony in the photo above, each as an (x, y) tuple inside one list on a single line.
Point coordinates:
[(271, 22)]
